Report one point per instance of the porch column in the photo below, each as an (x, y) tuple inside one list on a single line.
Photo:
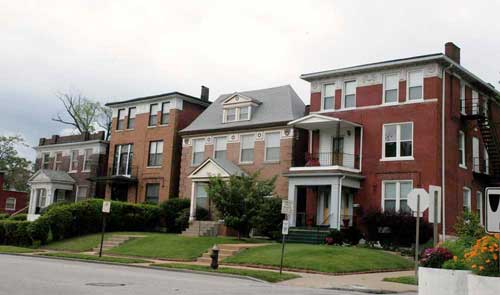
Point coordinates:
[(192, 208), (50, 195), (335, 198), (292, 197), (33, 201)]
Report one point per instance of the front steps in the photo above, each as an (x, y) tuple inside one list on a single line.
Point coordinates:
[(201, 229), (114, 241), (307, 236), (225, 250)]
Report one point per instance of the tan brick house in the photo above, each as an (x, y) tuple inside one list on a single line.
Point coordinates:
[(242, 132), (145, 147)]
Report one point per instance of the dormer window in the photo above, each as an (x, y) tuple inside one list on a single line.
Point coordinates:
[(231, 115), (238, 107), (244, 113), (237, 114)]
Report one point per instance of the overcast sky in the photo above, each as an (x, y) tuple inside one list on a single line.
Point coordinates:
[(113, 50)]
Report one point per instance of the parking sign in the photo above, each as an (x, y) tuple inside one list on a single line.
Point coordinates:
[(493, 210)]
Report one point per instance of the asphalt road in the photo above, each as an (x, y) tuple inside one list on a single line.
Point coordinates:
[(40, 276)]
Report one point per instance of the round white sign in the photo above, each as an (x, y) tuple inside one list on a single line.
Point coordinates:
[(424, 199)]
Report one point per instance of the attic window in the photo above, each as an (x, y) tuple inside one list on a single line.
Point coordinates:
[(237, 114)]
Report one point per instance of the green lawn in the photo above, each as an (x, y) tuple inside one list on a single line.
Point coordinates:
[(322, 258), (13, 249), (96, 258), (408, 280), (269, 276), (172, 246), (77, 244)]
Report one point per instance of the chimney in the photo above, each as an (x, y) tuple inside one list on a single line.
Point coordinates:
[(2, 174), (204, 93), (452, 51)]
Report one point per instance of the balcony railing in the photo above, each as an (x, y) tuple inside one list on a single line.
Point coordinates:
[(332, 159), (130, 172), (480, 165), (474, 107)]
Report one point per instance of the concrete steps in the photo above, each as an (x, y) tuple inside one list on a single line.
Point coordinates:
[(114, 241), (201, 229), (307, 236), (225, 250)]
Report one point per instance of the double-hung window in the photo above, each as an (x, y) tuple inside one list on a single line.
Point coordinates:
[(122, 164), (244, 113), (155, 153), (350, 94), (10, 204), (73, 165), (395, 195), (82, 192), (247, 146), (131, 118), (461, 149), (486, 162), (220, 147), (153, 114), (231, 115), (152, 193), (475, 102), (86, 159), (416, 85), (479, 206), (462, 98), (328, 96), (165, 112), (58, 161), (467, 201), (120, 125), (198, 151), (398, 141), (391, 83), (45, 160), (272, 142)]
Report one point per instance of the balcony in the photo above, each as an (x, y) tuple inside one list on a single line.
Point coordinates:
[(332, 159), (480, 165)]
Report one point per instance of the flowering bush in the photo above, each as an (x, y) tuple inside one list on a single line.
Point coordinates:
[(483, 256), (435, 257)]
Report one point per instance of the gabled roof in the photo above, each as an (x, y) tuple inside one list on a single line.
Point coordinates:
[(187, 97), (237, 95), (51, 176), (277, 105), (216, 167)]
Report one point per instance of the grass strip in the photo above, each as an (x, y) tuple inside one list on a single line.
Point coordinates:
[(95, 258), (408, 280), (13, 249), (268, 276)]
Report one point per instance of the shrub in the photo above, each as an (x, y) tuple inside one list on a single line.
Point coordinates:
[(38, 230), (394, 229), (3, 216), (351, 235), (20, 217), (435, 257), (171, 210), (335, 237), (457, 247), (15, 232), (182, 220), (483, 256), (468, 228), (455, 264), (268, 220), (60, 220), (202, 214)]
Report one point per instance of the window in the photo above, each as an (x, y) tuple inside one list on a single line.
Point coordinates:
[(231, 115), (479, 206), (45, 160), (152, 193), (153, 114), (41, 199), (73, 166), (155, 153), (272, 141), (165, 113), (398, 141), (244, 113), (395, 195), (415, 85), (131, 118), (81, 193), (476, 167), (220, 147), (328, 96), (86, 160), (461, 149), (475, 102), (58, 161), (247, 145), (486, 162), (10, 204), (121, 119), (198, 151), (462, 98), (202, 200), (350, 94), (391, 83), (467, 203), (122, 164)]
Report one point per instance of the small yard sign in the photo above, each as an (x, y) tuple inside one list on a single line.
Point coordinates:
[(284, 229), (286, 207), (493, 210), (413, 198), (106, 206)]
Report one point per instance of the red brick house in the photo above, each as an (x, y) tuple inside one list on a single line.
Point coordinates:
[(241, 133), (11, 201), (145, 147), (378, 130), (64, 169)]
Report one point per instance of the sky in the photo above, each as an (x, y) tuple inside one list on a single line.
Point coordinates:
[(115, 50)]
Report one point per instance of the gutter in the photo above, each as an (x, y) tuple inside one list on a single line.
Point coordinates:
[(443, 150)]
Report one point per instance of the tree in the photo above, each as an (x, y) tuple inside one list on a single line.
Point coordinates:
[(18, 168), (238, 200), (105, 120), (83, 113)]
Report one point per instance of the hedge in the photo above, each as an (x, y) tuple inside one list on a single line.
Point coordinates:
[(20, 217), (15, 233)]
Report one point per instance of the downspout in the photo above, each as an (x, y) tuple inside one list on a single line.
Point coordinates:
[(443, 150), (340, 201)]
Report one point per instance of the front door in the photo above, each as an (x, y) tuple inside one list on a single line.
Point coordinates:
[(119, 192), (202, 199), (324, 195), (338, 151)]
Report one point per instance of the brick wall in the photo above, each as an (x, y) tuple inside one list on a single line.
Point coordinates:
[(21, 198)]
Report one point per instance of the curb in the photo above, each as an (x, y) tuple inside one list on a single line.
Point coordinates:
[(142, 267)]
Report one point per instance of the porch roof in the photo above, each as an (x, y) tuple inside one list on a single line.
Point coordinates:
[(51, 176), (216, 167), (317, 121)]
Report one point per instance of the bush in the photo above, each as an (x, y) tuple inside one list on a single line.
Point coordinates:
[(60, 221), (335, 237), (19, 217), (3, 216), (202, 214), (38, 230), (435, 257), (351, 235), (468, 228), (394, 229), (15, 232), (269, 219), (171, 210), (483, 256)]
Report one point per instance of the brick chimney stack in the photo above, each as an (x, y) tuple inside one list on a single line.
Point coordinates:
[(452, 51), (204, 93), (2, 174)]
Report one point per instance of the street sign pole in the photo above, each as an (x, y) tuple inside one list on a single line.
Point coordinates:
[(418, 237), (106, 208), (436, 213), (284, 233)]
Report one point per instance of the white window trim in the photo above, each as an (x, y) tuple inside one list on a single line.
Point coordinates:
[(241, 148), (384, 88), (56, 162), (486, 158), (479, 196), (323, 96), (469, 205), (408, 84), (15, 204), (236, 114), (398, 141), (464, 154), (265, 147), (163, 112), (463, 110), (120, 146), (85, 160), (398, 192), (78, 191), (71, 170), (344, 94), (156, 150), (192, 149), (215, 144)]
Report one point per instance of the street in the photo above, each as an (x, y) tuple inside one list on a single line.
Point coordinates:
[(33, 275)]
